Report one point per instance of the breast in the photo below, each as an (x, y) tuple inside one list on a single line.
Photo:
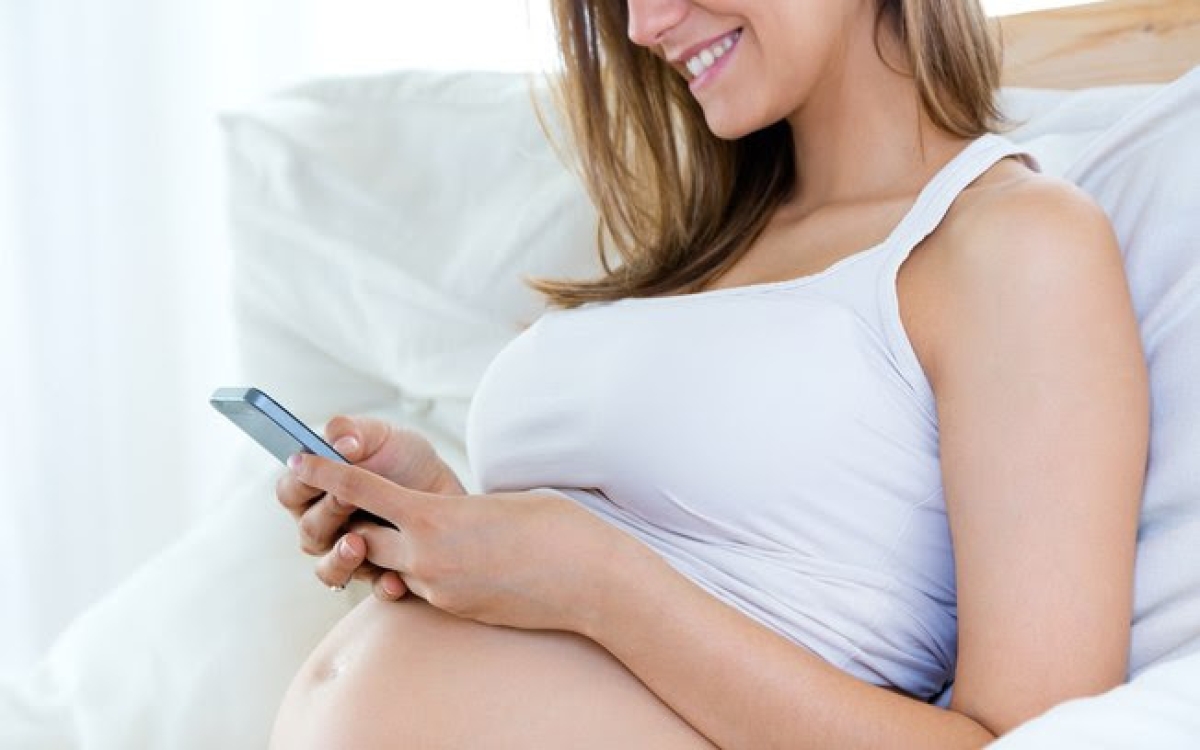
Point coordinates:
[(399, 675), (765, 442), (753, 416)]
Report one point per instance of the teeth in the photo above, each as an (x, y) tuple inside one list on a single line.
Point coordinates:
[(706, 58)]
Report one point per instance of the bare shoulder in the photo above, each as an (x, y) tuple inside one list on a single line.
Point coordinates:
[(1013, 217), (1016, 240)]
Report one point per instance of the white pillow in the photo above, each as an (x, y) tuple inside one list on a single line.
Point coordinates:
[(1145, 171), (1058, 126), (382, 225), (1155, 710)]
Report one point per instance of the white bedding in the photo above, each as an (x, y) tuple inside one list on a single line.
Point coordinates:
[(422, 257), (1158, 709)]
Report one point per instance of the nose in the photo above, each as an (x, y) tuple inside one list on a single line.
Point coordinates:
[(650, 20)]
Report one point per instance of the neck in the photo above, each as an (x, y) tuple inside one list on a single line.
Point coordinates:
[(862, 133)]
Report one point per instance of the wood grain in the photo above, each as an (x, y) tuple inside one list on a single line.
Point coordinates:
[(1113, 42)]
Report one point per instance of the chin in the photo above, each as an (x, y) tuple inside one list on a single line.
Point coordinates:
[(730, 128)]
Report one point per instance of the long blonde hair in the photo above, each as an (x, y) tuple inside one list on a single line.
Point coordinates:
[(677, 204)]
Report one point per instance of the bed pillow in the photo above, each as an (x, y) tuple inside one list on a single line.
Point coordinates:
[(1058, 126), (1157, 709), (1145, 172), (382, 225)]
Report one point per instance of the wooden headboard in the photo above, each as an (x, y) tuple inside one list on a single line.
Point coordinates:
[(1110, 42)]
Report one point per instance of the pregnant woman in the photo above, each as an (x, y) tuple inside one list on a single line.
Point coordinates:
[(844, 450)]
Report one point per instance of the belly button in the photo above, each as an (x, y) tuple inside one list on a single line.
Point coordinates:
[(328, 670)]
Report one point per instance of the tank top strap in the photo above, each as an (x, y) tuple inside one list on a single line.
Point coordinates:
[(922, 219), (939, 194)]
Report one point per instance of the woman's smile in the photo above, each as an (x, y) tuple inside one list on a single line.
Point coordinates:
[(706, 63)]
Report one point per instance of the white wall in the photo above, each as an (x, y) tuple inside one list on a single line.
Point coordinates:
[(364, 35)]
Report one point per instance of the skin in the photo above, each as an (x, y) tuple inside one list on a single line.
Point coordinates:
[(1019, 312)]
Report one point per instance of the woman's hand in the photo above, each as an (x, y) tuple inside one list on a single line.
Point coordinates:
[(522, 559), (402, 456)]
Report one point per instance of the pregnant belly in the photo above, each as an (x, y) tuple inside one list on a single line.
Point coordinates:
[(405, 675)]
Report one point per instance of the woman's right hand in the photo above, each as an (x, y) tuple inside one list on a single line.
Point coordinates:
[(401, 456)]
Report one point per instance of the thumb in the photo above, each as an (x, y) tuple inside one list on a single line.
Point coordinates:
[(345, 437), (349, 446), (366, 438)]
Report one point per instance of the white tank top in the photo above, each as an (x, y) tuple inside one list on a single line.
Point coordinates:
[(777, 443)]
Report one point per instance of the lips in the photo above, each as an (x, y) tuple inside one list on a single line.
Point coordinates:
[(707, 57), (694, 54)]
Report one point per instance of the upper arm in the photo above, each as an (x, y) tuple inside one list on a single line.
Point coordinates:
[(1034, 357)]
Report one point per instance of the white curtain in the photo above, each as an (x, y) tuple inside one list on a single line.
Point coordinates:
[(114, 322), (113, 292)]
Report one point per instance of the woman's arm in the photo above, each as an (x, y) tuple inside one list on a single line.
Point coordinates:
[(1043, 403)]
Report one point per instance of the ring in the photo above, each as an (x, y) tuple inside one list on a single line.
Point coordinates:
[(337, 588)]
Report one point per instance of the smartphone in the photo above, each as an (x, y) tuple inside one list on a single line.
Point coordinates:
[(271, 425), (274, 428)]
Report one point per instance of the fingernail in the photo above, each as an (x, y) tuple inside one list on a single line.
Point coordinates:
[(346, 444), (345, 550), (390, 586), (294, 461)]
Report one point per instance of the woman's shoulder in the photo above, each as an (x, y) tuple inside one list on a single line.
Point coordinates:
[(1015, 243), (1014, 217)]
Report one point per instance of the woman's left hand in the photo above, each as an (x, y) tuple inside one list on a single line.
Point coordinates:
[(521, 559)]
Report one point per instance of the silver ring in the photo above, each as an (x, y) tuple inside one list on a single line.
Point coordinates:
[(337, 588)]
